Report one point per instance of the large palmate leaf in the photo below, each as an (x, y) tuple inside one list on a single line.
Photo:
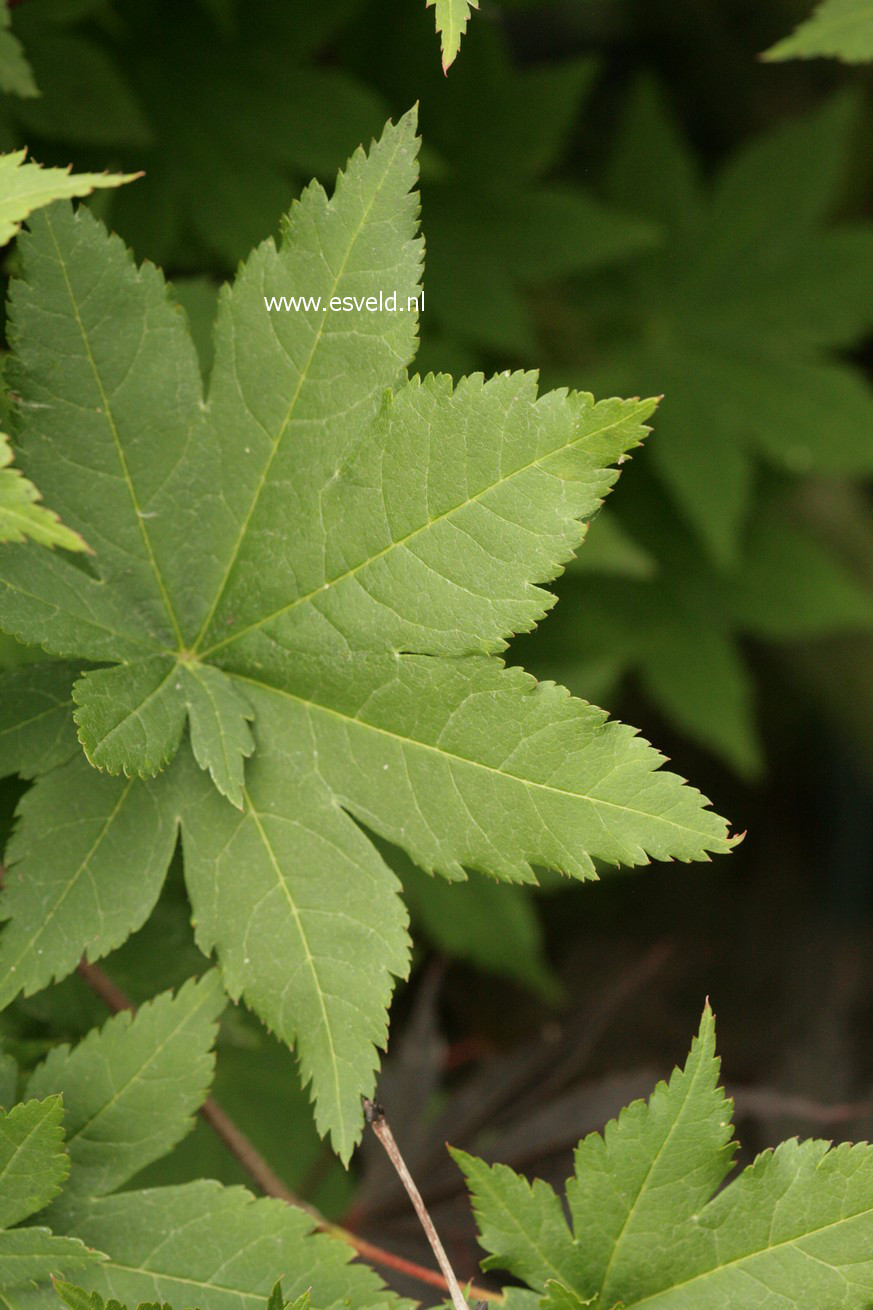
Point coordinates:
[(33, 1166), (310, 575), (843, 28), (793, 1230)]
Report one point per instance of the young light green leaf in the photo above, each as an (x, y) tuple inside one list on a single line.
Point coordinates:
[(78, 1299), (276, 1300), (793, 1230), (219, 1248), (219, 715), (85, 866), (301, 1302), (33, 1161), (841, 28), (29, 1255), (130, 1090), (37, 733), (131, 717), (451, 18), (21, 515), (27, 187)]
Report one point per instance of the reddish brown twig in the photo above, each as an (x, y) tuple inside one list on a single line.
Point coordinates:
[(266, 1179)]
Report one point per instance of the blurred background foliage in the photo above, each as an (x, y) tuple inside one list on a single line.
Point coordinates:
[(626, 196)]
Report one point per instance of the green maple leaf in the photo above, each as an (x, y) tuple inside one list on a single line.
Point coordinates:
[(843, 28), (33, 1162), (33, 1166), (793, 1230), (451, 18), (131, 1088), (322, 560), (738, 316)]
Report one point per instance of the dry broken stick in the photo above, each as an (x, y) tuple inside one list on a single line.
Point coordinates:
[(375, 1116)]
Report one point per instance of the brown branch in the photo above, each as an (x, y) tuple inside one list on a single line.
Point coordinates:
[(257, 1168)]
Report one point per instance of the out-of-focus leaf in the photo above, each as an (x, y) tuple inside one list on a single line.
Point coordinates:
[(84, 99), (16, 75), (477, 921), (736, 318)]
